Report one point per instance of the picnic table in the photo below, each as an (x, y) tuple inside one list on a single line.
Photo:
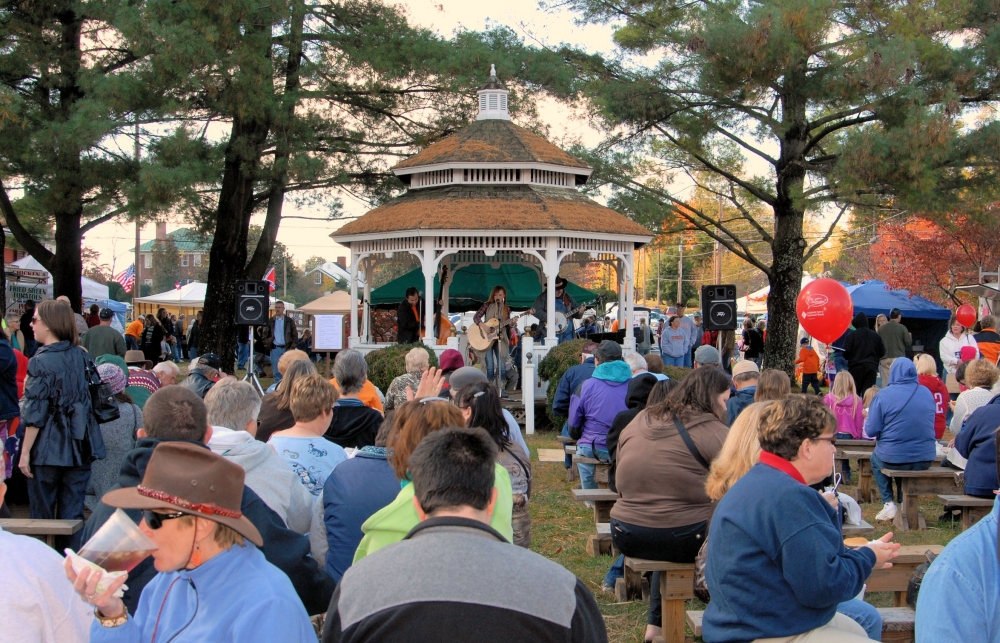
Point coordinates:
[(866, 482), (929, 482), (47, 529), (973, 509), (602, 500)]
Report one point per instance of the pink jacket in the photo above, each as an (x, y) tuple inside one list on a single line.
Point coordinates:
[(848, 421)]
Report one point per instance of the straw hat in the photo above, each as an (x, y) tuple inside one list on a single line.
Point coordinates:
[(193, 480)]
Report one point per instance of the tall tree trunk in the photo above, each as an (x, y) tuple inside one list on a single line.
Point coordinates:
[(67, 263), (3, 271)]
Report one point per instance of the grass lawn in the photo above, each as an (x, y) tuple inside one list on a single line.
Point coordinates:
[(560, 526)]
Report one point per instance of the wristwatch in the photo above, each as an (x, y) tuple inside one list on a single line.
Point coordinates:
[(115, 621)]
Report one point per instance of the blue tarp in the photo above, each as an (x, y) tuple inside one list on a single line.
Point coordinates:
[(874, 297), (120, 309)]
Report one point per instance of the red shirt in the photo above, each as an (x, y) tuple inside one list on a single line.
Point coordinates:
[(781, 464), (941, 398)]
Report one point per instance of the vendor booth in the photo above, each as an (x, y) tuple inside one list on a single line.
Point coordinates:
[(926, 321), (186, 300)]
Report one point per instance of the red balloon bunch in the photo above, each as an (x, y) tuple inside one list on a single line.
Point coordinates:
[(825, 309), (966, 315)]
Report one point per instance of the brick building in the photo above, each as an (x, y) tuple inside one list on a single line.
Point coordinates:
[(193, 248)]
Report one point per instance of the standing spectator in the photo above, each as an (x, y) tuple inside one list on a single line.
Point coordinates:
[(663, 459), (987, 340), (280, 335), (928, 378), (977, 444), (118, 435), (102, 339), (601, 398), (242, 348), (180, 347), (745, 378), (151, 344), (901, 419), (897, 342), (697, 336), (839, 361), (62, 436), (93, 317), (687, 325), (645, 342), (452, 472), (30, 344), (863, 349), (753, 343), (880, 321), (417, 362), (275, 410), (169, 333), (674, 343), (409, 316), (232, 408), (951, 346), (980, 376), (78, 320), (194, 334), (354, 424), (848, 408), (790, 577), (772, 385), (302, 446), (810, 366), (133, 333), (9, 395)]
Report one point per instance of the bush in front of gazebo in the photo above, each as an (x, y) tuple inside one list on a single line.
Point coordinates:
[(386, 364)]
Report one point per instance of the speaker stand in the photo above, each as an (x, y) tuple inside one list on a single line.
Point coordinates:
[(251, 375)]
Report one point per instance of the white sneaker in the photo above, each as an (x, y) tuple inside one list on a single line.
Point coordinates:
[(888, 512)]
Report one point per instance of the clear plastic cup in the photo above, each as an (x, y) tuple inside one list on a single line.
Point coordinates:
[(118, 546)]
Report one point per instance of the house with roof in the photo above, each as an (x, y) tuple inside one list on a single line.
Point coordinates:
[(329, 275), (193, 247)]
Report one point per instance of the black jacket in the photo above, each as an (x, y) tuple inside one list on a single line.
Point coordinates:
[(150, 342), (639, 389), (354, 426), (408, 326), (863, 346), (57, 402), (753, 342), (283, 548)]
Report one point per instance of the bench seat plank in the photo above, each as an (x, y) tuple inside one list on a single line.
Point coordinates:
[(595, 495), (39, 527)]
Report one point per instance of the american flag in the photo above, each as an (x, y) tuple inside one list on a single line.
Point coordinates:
[(126, 278), (270, 278)]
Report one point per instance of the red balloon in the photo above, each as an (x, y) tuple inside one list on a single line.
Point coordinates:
[(966, 315), (824, 309)]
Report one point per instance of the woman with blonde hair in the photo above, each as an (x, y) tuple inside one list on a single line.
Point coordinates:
[(275, 409), (928, 378), (980, 376), (843, 400), (772, 385)]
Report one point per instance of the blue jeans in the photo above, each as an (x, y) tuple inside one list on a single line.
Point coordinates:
[(587, 470), (131, 344), (276, 354), (846, 468), (672, 361), (885, 483), (865, 615), (569, 458), (617, 571), (688, 361), (192, 352), (492, 357), (242, 355)]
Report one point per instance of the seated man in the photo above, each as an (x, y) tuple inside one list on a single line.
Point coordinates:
[(594, 407), (167, 373), (787, 580), (957, 600), (467, 599), (204, 374)]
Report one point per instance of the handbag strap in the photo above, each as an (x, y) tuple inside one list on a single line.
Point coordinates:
[(690, 443)]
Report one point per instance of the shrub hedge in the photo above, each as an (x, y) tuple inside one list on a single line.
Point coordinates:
[(386, 364)]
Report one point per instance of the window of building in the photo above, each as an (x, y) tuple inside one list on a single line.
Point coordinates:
[(147, 261), (148, 282), (197, 259), (319, 278), (185, 261)]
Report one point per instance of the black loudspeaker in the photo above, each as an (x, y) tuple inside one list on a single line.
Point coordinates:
[(718, 307), (252, 302)]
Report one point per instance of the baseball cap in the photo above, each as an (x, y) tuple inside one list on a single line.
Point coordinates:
[(210, 360), (608, 351), (745, 366), (465, 376), (707, 355), (105, 314)]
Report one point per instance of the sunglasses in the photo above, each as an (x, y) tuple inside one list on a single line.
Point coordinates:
[(154, 519)]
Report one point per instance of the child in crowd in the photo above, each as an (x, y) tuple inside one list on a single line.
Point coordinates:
[(843, 400), (866, 402), (927, 376), (810, 366)]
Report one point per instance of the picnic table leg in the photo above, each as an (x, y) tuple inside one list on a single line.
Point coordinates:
[(865, 480), (50, 540)]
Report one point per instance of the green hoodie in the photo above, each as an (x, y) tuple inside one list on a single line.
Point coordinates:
[(391, 523)]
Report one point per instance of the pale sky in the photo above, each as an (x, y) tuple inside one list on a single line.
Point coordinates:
[(307, 238)]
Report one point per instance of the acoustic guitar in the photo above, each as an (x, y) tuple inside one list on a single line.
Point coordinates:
[(484, 334)]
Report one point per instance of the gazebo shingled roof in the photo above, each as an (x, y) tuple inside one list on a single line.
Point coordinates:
[(496, 207)]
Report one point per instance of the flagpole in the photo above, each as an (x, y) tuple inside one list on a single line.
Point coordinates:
[(135, 284)]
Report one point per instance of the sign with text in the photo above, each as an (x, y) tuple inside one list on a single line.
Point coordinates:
[(329, 333)]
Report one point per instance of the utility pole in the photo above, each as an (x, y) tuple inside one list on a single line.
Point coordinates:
[(658, 299), (284, 277), (680, 273), (717, 255), (138, 228)]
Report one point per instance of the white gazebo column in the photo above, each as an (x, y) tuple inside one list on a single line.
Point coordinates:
[(620, 268), (366, 325), (429, 267), (630, 299), (551, 269), (352, 339)]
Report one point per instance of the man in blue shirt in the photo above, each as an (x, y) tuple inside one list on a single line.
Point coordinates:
[(282, 335), (688, 326)]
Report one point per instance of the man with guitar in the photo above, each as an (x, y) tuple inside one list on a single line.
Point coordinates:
[(490, 336), (566, 310)]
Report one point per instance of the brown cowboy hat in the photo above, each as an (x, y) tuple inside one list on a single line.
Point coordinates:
[(193, 480), (136, 358)]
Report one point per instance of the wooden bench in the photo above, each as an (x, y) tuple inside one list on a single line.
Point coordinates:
[(603, 500), (866, 483), (972, 508), (47, 529), (929, 482), (857, 530), (601, 469), (569, 447), (897, 623)]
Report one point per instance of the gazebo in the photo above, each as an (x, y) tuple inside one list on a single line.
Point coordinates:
[(492, 193)]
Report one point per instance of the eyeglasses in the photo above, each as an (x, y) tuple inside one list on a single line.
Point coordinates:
[(154, 519), (35, 319), (832, 441)]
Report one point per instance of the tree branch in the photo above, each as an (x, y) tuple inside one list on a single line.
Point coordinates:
[(41, 254), (826, 237)]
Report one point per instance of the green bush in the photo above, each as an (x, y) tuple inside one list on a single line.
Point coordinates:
[(551, 368), (386, 364), (676, 372)]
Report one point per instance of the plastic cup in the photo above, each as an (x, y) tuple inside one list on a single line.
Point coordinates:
[(118, 546)]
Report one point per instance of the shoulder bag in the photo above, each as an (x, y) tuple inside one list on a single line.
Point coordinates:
[(102, 400), (700, 586)]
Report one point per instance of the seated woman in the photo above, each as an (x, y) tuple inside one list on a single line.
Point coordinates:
[(980, 376), (354, 424), (663, 457), (417, 363), (901, 419), (740, 452), (311, 457), (276, 408), (212, 585), (977, 443), (394, 521), (787, 580)]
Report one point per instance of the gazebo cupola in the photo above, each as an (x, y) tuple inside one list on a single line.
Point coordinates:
[(493, 98)]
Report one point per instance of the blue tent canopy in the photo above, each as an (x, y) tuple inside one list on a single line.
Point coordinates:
[(874, 297)]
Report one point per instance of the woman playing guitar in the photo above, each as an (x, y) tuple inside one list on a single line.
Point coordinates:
[(496, 356)]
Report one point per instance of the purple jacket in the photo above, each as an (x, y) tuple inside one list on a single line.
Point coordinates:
[(601, 398)]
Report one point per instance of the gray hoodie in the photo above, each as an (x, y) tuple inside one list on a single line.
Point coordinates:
[(268, 474), (675, 343)]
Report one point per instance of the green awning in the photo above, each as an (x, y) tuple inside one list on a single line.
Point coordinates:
[(471, 286)]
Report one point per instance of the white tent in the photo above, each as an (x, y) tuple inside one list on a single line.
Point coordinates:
[(28, 279), (190, 295), (756, 302)]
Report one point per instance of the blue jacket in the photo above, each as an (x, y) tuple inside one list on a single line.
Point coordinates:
[(57, 402), (568, 383), (8, 381), (353, 492), (601, 398), (235, 597), (283, 548), (978, 442), (901, 418), (777, 565), (739, 401), (958, 596)]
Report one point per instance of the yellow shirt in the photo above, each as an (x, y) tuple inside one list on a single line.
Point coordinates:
[(368, 395)]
